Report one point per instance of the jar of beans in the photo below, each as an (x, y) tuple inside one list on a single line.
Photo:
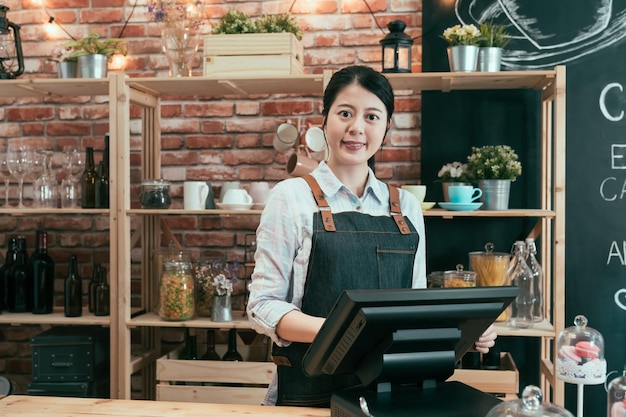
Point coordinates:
[(176, 293)]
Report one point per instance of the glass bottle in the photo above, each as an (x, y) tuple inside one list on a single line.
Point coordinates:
[(537, 270), (91, 288), (19, 299), (176, 295), (102, 297), (9, 259), (190, 349), (232, 354), (522, 277), (88, 181), (210, 354), (42, 267), (73, 290), (102, 181)]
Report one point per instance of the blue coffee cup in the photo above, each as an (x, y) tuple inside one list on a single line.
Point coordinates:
[(464, 194)]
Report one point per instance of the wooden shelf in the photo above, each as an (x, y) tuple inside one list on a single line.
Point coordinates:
[(153, 320), (541, 329), (57, 317), (54, 87), (168, 212), (13, 211), (447, 214)]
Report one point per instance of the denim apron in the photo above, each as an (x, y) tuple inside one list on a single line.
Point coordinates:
[(349, 250)]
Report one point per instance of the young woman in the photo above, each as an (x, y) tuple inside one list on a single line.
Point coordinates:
[(340, 228)]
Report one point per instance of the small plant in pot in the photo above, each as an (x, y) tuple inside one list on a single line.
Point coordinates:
[(94, 53), (462, 47), (236, 22), (493, 39)]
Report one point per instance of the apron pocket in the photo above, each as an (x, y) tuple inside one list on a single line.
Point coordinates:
[(395, 267)]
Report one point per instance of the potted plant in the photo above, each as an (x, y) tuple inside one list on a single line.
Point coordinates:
[(493, 38), (494, 167), (453, 173), (66, 65), (462, 47), (269, 44), (94, 53)]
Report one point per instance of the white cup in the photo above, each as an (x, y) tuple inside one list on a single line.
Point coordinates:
[(286, 137), (228, 185), (237, 196), (259, 191), (195, 194), (418, 191), (315, 139)]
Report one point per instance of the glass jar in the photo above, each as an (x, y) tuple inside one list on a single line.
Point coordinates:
[(616, 395), (155, 194), (530, 405), (176, 294), (491, 270), (580, 357), (435, 279), (459, 278)]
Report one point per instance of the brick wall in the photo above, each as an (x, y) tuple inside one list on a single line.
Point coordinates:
[(208, 139)]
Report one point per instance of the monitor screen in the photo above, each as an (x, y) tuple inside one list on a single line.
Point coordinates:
[(403, 334)]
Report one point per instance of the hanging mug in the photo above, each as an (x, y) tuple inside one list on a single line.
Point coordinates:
[(286, 137), (300, 164)]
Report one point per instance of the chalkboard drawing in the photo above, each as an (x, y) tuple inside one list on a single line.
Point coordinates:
[(547, 33), (619, 303)]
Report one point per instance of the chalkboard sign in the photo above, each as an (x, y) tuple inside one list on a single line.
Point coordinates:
[(588, 37)]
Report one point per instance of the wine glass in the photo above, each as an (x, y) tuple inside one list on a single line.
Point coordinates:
[(45, 186), (6, 174), (20, 164), (73, 166)]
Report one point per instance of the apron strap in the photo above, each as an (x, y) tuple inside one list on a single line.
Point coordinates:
[(327, 216), (396, 211)]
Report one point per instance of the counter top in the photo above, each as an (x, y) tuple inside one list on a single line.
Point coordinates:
[(35, 406)]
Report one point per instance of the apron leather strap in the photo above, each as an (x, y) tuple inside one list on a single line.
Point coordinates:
[(327, 216), (396, 211)]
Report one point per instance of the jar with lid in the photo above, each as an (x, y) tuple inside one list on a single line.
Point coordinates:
[(616, 395), (155, 194), (580, 357), (530, 405), (176, 288), (459, 278), (491, 270)]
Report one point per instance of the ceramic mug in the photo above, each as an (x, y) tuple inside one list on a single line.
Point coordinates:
[(315, 139), (228, 185), (286, 137), (195, 194), (237, 196), (418, 191), (259, 192), (300, 164), (464, 194)]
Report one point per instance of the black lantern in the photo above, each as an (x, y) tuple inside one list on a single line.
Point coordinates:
[(396, 48), (10, 47)]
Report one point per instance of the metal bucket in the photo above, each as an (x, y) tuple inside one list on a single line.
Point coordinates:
[(463, 58), (495, 194), (489, 59), (93, 66)]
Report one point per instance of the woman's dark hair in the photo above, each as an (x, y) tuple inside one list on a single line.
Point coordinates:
[(366, 77)]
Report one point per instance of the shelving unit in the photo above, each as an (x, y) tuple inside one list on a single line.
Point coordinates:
[(148, 93)]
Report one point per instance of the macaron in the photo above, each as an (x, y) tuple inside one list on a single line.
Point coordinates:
[(586, 349), (569, 353)]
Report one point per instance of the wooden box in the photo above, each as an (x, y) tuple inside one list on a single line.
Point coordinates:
[(216, 381), (503, 382), (253, 54)]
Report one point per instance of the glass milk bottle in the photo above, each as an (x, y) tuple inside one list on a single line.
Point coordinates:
[(522, 277)]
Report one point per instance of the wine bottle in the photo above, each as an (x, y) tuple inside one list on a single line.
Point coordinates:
[(9, 259), (190, 350), (102, 181), (73, 290), (42, 267), (19, 283), (232, 354), (103, 292), (91, 290), (88, 182), (210, 354)]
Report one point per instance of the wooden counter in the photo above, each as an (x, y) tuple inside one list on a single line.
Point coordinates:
[(34, 406)]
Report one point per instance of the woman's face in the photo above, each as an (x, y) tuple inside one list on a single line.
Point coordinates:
[(355, 126)]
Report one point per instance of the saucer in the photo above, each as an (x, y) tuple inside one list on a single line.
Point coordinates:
[(225, 206), (427, 205), (460, 206)]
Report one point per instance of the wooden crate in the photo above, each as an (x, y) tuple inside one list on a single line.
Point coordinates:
[(253, 54), (503, 382), (215, 381)]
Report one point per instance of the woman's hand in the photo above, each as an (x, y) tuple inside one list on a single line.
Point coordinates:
[(486, 340)]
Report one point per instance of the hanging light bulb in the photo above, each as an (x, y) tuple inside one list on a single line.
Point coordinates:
[(10, 47)]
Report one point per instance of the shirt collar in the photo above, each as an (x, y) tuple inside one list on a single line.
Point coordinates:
[(330, 185)]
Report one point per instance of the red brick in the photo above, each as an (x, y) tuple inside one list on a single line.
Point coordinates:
[(30, 113), (208, 109), (248, 141), (248, 157), (209, 141), (68, 128), (274, 108), (101, 16), (212, 126), (212, 239)]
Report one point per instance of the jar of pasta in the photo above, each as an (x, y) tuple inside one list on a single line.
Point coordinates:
[(176, 294)]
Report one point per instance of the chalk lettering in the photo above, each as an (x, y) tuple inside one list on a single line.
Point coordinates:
[(614, 252), (602, 102), (618, 152), (619, 302)]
